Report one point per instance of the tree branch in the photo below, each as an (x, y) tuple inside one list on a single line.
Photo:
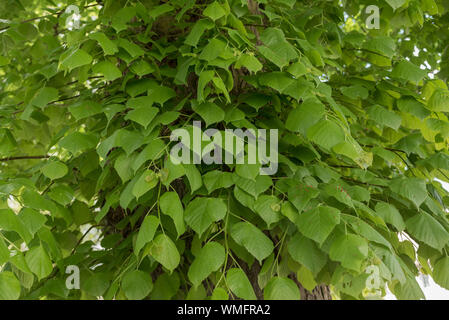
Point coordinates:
[(365, 183), (253, 7), (48, 15), (24, 158)]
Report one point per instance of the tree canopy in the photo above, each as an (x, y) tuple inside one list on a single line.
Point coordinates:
[(89, 95)]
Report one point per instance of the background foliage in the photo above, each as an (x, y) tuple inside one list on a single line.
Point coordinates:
[(86, 115)]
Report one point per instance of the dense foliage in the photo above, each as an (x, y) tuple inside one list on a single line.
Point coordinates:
[(86, 115)]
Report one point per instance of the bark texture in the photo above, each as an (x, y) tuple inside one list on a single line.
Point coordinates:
[(321, 292)]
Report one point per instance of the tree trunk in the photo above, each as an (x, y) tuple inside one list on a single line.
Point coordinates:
[(321, 292)]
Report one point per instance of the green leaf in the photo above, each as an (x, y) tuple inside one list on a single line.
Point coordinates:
[(412, 106), (304, 116), (248, 171), (85, 109), (161, 94), (140, 102), (9, 286), (204, 79), (305, 277), (109, 70), (347, 149), (279, 288), (171, 172), (250, 62), (4, 61), (32, 219), (299, 89), (142, 116), (441, 272), (107, 45), (194, 177), (395, 4), (122, 17), (413, 189), (38, 261), (202, 212), (212, 50), (253, 239), (253, 187), (279, 81), (77, 141), (411, 143), (9, 221), (219, 294), (146, 232), (390, 215), (133, 49), (409, 290), (137, 285), (318, 223), (439, 101), (275, 42), (147, 181), (128, 140), (288, 210), (355, 92), (255, 100), (273, 56), (160, 10), (306, 252), (171, 206), (55, 170), (7, 141), (216, 179), (351, 250), (165, 287), (408, 71), (196, 293), (75, 59), (210, 112), (197, 32), (219, 84), (210, 258), (4, 252), (81, 213), (44, 96), (214, 11), (326, 133), (239, 284), (164, 251), (244, 198), (297, 69), (137, 87), (142, 68), (365, 230), (430, 6), (123, 167), (385, 117), (428, 230), (62, 194), (97, 284), (268, 207)]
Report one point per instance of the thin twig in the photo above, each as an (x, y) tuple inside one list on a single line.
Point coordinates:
[(81, 239), (360, 182), (367, 50), (24, 158), (46, 16)]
